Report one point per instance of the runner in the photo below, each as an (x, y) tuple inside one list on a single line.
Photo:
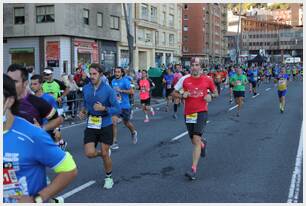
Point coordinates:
[(27, 151), (195, 96), (36, 87), (32, 108), (176, 100), (253, 79), (123, 89), (100, 104), (230, 75), (238, 81), (168, 82), (218, 78), (282, 80), (145, 85)]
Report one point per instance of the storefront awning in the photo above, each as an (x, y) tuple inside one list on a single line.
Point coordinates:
[(21, 50)]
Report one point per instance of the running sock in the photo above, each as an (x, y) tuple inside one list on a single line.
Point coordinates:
[(109, 174), (194, 168), (147, 117), (175, 108)]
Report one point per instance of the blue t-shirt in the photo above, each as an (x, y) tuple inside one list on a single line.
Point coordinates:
[(254, 75), (231, 74), (106, 96), (169, 80), (27, 151), (122, 98), (50, 99)]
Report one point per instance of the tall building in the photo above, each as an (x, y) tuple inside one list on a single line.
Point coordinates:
[(157, 35), (62, 36), (204, 26)]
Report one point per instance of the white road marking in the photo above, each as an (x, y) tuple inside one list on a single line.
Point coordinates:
[(294, 189), (182, 135), (78, 189), (256, 95), (268, 89), (230, 109)]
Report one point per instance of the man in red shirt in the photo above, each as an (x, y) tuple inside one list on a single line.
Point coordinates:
[(196, 98)]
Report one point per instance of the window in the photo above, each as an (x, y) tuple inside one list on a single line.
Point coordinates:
[(171, 39), (141, 34), (86, 16), (115, 22), (185, 38), (164, 38), (185, 49), (19, 15), (185, 17), (156, 37), (171, 20), (100, 19), (144, 11), (164, 18), (148, 37), (154, 14), (44, 14), (185, 6), (185, 28)]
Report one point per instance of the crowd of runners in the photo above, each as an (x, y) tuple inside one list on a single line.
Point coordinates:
[(33, 115)]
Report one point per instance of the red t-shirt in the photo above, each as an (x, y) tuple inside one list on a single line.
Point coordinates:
[(197, 87)]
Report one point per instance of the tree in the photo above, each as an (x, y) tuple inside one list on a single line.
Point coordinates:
[(130, 37)]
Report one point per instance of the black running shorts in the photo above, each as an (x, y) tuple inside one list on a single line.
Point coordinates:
[(146, 101), (104, 135), (238, 94), (198, 127)]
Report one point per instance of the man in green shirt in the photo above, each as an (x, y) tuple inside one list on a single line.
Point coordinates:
[(238, 81)]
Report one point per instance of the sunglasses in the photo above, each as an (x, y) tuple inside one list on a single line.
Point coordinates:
[(195, 64), (47, 74)]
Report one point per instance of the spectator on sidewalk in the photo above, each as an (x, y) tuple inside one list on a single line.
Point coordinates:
[(72, 96)]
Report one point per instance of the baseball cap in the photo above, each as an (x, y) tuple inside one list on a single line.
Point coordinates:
[(48, 71)]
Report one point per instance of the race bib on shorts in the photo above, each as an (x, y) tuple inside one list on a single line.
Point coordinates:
[(11, 186), (282, 84), (192, 118), (94, 122)]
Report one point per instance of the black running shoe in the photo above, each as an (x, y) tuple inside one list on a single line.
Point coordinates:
[(191, 175), (203, 150)]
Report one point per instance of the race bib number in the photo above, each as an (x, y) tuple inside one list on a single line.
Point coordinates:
[(192, 118), (168, 86), (94, 122), (238, 82), (143, 89), (11, 186), (119, 98), (282, 84)]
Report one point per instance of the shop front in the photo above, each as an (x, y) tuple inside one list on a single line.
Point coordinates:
[(108, 54)]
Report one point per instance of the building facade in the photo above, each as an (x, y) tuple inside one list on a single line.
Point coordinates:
[(62, 36), (203, 30), (157, 35), (276, 45)]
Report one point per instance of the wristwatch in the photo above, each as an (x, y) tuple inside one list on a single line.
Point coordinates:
[(38, 199)]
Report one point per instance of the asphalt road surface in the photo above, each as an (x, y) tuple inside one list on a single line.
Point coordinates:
[(253, 158)]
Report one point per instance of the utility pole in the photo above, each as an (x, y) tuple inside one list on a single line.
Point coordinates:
[(128, 23), (238, 49)]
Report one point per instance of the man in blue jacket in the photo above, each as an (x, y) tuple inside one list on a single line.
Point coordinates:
[(100, 104)]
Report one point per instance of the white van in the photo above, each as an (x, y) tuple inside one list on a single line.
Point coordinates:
[(291, 60)]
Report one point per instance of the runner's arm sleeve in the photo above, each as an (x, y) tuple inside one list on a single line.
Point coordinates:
[(66, 165)]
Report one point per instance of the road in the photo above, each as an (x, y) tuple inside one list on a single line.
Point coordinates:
[(250, 159)]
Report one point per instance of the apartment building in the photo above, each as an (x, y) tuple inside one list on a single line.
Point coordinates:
[(157, 35), (59, 35), (204, 26)]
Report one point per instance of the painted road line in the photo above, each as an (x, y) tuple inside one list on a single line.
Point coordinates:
[(268, 89), (78, 189), (136, 110), (294, 189), (182, 135), (230, 109), (256, 95), (179, 136)]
